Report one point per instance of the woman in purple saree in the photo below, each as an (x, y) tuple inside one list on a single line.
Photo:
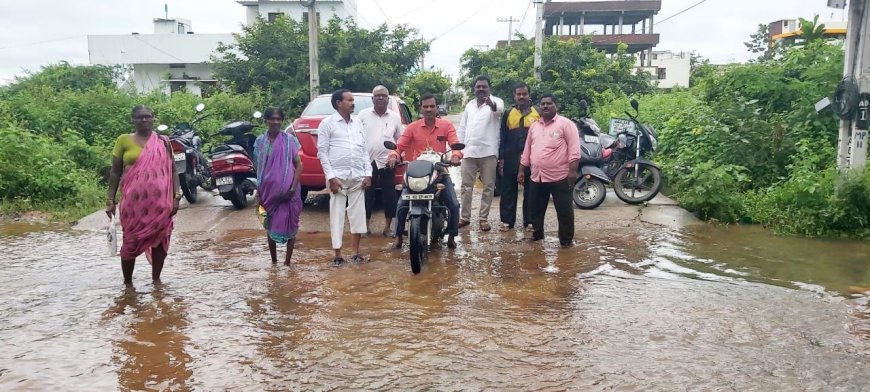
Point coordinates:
[(278, 168)]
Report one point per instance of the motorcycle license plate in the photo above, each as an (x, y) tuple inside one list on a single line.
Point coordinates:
[(224, 181), (178, 156), (590, 139), (420, 196)]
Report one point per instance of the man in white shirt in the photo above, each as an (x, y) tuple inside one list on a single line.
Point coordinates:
[(343, 154), (381, 124), (479, 131)]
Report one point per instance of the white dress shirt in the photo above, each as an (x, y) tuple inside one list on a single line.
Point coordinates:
[(341, 148), (380, 128), (479, 128)]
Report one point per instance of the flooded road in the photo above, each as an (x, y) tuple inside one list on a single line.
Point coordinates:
[(635, 306)]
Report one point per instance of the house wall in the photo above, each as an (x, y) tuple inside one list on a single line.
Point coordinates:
[(293, 9)]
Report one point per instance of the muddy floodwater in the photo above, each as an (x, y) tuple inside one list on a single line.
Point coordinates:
[(643, 307)]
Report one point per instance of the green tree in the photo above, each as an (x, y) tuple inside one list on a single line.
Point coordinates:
[(699, 69), (426, 82), (760, 44), (63, 76), (812, 31), (273, 57), (572, 70)]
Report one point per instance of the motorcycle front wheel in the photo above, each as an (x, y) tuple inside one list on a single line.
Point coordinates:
[(636, 190), (588, 194), (417, 244)]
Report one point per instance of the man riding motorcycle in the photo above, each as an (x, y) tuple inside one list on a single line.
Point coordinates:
[(430, 131)]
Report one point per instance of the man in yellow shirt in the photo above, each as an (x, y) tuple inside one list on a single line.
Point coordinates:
[(515, 125)]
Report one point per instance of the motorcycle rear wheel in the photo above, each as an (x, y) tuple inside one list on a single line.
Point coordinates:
[(417, 245), (237, 196), (632, 191), (588, 194), (188, 187)]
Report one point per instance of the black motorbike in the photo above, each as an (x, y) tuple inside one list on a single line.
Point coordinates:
[(622, 158), (427, 215), (190, 163)]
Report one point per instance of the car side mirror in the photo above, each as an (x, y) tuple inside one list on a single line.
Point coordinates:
[(257, 114), (162, 127), (634, 104), (390, 145), (200, 107)]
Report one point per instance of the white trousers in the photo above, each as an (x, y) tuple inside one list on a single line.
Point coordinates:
[(350, 199)]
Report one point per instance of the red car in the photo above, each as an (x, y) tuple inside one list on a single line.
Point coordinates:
[(306, 125)]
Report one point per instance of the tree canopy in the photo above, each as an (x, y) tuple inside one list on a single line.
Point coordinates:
[(273, 56), (572, 70)]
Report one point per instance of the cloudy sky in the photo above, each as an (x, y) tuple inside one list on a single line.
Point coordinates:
[(39, 32)]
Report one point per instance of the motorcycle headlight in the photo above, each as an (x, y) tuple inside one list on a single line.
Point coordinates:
[(418, 184)]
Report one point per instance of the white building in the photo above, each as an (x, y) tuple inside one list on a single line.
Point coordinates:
[(174, 58), (668, 69), (269, 10), (171, 59)]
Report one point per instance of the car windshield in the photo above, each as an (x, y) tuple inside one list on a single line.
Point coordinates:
[(321, 106)]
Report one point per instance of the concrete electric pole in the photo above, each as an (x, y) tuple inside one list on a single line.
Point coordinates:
[(539, 36), (510, 20), (313, 55), (852, 140)]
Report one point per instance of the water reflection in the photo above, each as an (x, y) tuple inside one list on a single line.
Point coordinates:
[(151, 354), (630, 309)]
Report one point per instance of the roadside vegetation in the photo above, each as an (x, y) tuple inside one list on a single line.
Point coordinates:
[(741, 144)]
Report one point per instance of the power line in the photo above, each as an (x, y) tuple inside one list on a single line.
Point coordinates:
[(464, 20), (382, 12), (40, 42), (157, 49), (678, 13), (425, 4), (523, 18)]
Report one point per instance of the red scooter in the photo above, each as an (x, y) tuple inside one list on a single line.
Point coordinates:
[(232, 165)]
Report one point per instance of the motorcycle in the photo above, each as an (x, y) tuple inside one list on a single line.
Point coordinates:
[(589, 190), (635, 178), (190, 164), (232, 167), (427, 211)]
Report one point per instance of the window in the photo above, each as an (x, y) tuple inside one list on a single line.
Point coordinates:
[(661, 74), (177, 65), (181, 28), (274, 15)]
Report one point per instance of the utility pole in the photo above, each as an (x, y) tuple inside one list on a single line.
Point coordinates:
[(539, 36), (313, 54), (510, 21), (852, 140)]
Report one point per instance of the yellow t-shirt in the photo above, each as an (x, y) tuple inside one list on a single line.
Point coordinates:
[(126, 149)]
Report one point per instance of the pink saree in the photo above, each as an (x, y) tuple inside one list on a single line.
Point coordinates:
[(147, 201)]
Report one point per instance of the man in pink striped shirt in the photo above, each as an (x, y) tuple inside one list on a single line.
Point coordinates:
[(553, 152)]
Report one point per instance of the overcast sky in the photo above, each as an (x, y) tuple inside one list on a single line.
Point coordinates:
[(40, 32)]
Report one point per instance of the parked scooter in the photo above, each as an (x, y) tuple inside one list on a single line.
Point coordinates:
[(635, 178), (190, 164), (427, 211), (232, 165), (589, 190)]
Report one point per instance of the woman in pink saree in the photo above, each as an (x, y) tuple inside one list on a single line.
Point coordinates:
[(142, 163), (276, 154)]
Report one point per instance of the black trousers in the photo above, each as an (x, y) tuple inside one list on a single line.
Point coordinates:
[(385, 180), (509, 189), (540, 197)]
